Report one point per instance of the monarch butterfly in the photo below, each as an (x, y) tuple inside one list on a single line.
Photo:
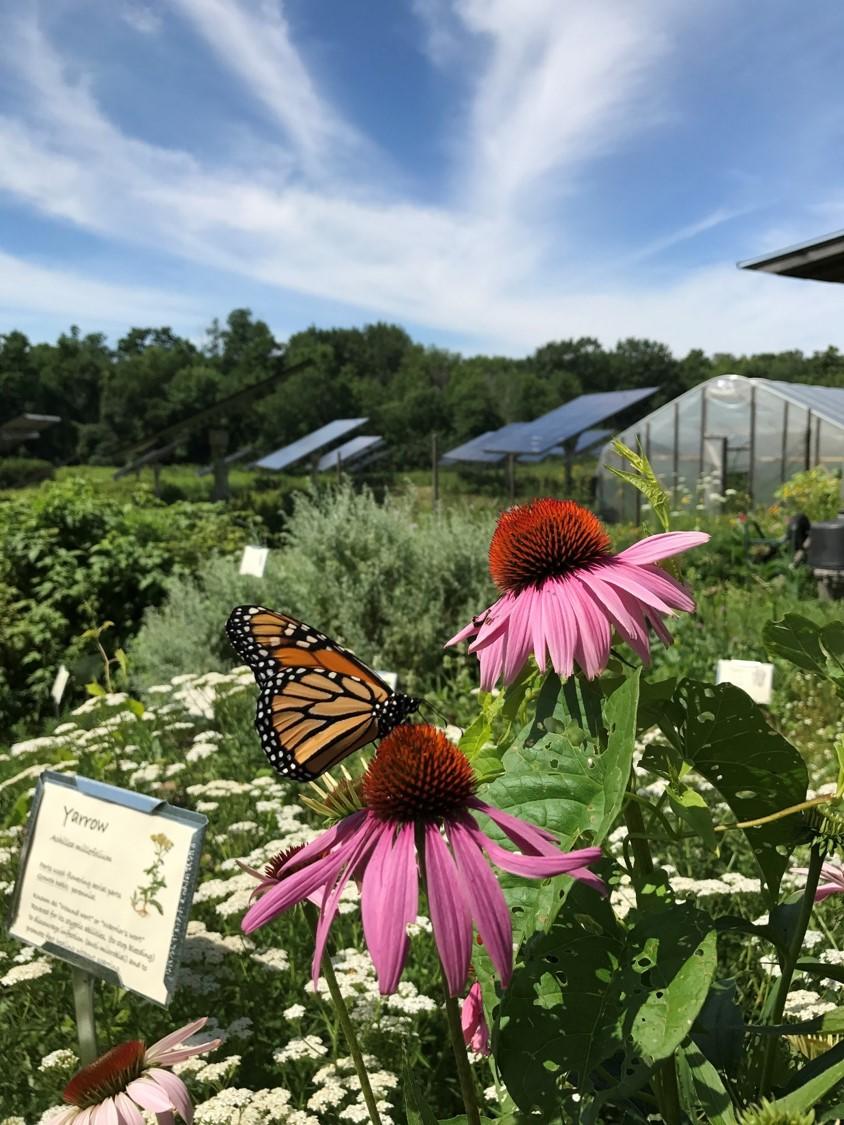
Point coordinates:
[(318, 702)]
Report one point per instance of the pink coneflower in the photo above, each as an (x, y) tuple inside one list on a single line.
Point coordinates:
[(831, 880), (419, 796), (563, 593), (473, 1021), (119, 1085)]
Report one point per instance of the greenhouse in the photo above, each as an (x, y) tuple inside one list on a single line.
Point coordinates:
[(730, 435)]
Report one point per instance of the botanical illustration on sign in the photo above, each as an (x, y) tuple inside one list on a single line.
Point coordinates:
[(143, 897)]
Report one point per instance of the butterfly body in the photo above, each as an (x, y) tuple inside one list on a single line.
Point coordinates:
[(318, 702)]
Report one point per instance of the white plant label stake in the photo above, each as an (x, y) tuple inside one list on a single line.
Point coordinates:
[(254, 561)]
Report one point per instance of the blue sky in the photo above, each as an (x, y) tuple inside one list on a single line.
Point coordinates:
[(492, 174)]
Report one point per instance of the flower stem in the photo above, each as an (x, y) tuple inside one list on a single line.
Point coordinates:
[(348, 1029), (779, 815), (464, 1070), (769, 1058)]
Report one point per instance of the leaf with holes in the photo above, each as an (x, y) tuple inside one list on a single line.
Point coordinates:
[(572, 788), (587, 996), (723, 734)]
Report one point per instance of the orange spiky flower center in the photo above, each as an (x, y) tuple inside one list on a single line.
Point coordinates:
[(273, 868), (418, 775), (544, 539), (106, 1076)]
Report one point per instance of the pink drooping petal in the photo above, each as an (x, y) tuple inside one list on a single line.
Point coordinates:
[(450, 917), (484, 896), (592, 649), (176, 1090), (527, 837), (560, 626), (662, 546), (105, 1113), (166, 1118), (674, 593), (149, 1095), (827, 889), (176, 1038), (473, 1021), (296, 887), (358, 848), (635, 581), (630, 627), (538, 636), (389, 902), (325, 842), (518, 643), (494, 624), (465, 633), (129, 1112), (658, 626), (491, 661), (640, 640), (537, 866)]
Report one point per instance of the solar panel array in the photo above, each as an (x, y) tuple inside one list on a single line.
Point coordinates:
[(473, 450), (563, 423), (350, 451), (309, 445), (26, 427)]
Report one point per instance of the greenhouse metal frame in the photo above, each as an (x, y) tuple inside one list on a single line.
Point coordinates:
[(729, 435)]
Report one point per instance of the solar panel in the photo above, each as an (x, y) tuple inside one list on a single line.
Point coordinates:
[(26, 427), (473, 450), (564, 422), (310, 444), (825, 401), (349, 451), (585, 441)]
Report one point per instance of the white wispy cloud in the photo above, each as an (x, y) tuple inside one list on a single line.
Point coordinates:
[(564, 81), (253, 41)]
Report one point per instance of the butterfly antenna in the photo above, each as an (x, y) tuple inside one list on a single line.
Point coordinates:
[(426, 703)]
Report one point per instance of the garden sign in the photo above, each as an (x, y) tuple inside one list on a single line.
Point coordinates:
[(106, 881)]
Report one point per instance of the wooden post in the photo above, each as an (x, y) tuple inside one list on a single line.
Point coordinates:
[(218, 440), (511, 475), (156, 477), (339, 467)]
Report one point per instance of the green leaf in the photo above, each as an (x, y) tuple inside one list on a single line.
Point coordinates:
[(797, 640), (829, 1023), (810, 1092), (572, 789), (418, 1111), (93, 688), (690, 806), (710, 1092), (587, 993), (814, 968), (723, 734), (644, 479)]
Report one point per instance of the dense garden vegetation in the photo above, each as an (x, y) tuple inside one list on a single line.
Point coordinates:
[(393, 580)]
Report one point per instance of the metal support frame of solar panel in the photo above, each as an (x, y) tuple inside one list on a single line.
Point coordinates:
[(349, 452), (231, 459), (309, 445), (154, 457), (26, 427), (566, 421), (585, 441), (224, 406)]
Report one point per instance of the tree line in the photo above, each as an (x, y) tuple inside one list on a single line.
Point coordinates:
[(110, 397)]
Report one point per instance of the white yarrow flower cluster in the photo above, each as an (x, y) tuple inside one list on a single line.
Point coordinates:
[(30, 970), (308, 1047), (61, 1061)]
